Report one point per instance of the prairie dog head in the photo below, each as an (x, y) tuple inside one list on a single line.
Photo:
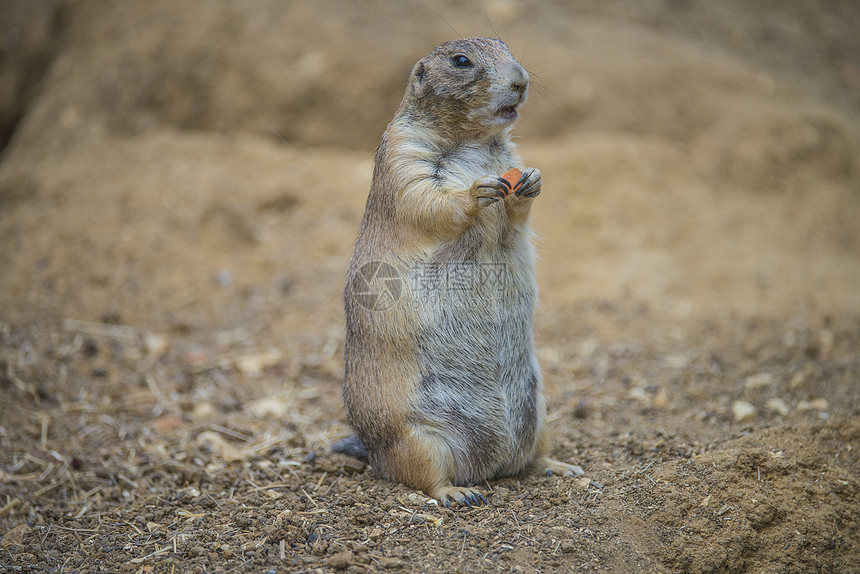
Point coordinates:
[(473, 83)]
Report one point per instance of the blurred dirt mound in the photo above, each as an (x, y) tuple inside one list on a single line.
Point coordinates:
[(32, 33), (678, 174)]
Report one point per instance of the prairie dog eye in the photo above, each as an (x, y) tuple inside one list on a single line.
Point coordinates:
[(461, 61)]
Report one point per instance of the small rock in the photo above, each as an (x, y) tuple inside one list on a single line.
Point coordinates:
[(15, 536), (212, 442), (196, 356), (340, 561), (797, 380), (759, 380), (639, 394), (417, 499), (273, 406), (167, 424), (743, 411), (155, 344), (662, 399), (391, 563), (203, 410), (353, 466), (502, 493), (778, 406), (813, 405), (252, 365)]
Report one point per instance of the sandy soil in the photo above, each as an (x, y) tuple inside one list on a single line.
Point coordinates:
[(178, 201)]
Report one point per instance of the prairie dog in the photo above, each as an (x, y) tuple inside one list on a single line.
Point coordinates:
[(442, 386)]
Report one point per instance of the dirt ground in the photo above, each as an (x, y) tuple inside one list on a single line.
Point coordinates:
[(178, 199)]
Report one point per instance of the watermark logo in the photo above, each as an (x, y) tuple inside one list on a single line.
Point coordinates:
[(377, 286)]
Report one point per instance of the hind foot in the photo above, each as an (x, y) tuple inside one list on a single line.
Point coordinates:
[(552, 466), (461, 495)]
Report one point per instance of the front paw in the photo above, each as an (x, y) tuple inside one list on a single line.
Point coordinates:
[(529, 184), (489, 189)]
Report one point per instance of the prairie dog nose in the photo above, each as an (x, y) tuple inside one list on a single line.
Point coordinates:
[(519, 78)]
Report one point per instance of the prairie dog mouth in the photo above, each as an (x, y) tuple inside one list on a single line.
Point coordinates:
[(509, 113)]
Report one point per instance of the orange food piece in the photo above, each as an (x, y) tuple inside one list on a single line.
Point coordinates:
[(512, 176)]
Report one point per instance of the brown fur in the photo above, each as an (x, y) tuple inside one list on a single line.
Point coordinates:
[(442, 385)]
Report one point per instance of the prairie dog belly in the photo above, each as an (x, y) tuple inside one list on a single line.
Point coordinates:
[(478, 377)]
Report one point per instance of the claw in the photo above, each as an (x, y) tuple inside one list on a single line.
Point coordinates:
[(523, 179), (485, 201), (495, 193), (529, 184), (480, 497)]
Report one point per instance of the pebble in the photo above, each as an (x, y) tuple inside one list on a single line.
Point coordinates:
[(167, 424), (391, 563), (210, 441), (813, 405), (340, 561), (778, 406), (639, 394), (759, 380), (15, 536), (502, 493), (353, 466), (663, 399), (743, 411)]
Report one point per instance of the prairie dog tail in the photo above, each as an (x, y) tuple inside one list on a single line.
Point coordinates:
[(351, 446)]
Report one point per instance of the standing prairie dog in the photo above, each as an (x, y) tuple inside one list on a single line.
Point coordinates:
[(442, 386)]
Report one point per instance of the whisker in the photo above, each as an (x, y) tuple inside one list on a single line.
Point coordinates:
[(493, 28), (449, 25)]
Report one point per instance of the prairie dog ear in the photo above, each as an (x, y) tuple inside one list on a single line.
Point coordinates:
[(416, 79)]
